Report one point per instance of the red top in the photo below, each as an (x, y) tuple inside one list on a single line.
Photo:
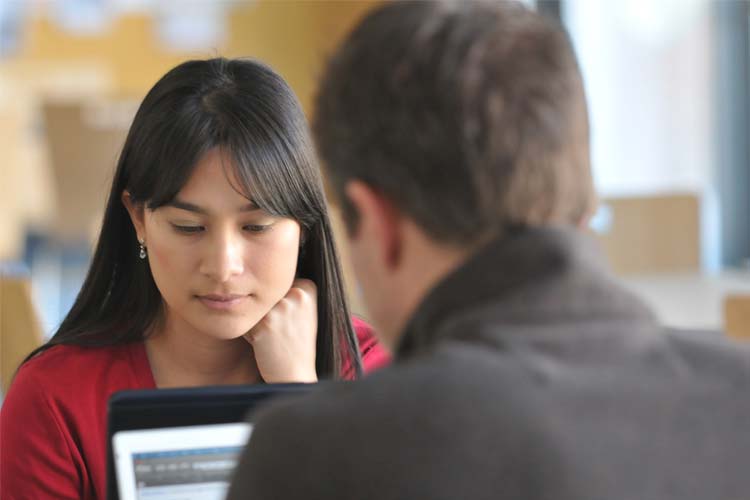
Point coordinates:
[(53, 424)]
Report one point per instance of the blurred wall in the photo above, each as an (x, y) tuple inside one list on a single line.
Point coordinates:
[(292, 36), (97, 78)]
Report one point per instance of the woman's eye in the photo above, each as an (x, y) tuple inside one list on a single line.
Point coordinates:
[(188, 229), (256, 228)]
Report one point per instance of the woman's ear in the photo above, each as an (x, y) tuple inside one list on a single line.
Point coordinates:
[(136, 212)]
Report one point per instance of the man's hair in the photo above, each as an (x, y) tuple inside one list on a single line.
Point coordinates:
[(470, 117)]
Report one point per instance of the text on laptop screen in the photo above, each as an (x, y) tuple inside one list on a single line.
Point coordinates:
[(186, 463)]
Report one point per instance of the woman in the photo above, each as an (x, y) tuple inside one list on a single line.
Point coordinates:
[(215, 265)]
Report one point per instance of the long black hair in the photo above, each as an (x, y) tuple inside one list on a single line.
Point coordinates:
[(249, 111)]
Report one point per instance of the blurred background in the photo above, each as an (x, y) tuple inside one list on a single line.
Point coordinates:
[(669, 100)]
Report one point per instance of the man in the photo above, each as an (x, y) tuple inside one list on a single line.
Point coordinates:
[(455, 136)]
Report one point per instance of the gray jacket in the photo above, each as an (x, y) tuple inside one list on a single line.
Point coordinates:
[(527, 374)]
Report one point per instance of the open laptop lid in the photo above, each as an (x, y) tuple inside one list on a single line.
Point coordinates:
[(178, 463), (164, 408)]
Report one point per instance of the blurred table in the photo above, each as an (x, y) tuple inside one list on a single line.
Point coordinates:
[(689, 300)]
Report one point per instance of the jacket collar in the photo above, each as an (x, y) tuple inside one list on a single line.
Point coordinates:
[(557, 274)]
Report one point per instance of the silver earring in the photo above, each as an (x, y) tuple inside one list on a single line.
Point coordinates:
[(142, 253)]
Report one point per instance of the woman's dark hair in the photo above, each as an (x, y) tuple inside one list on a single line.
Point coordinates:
[(249, 111)]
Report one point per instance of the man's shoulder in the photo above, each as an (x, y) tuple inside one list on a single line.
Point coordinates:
[(468, 407), (709, 356), (351, 399), (444, 381), (713, 344), (468, 373), (522, 380), (342, 440)]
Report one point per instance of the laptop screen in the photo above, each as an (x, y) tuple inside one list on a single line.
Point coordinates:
[(156, 412), (186, 463)]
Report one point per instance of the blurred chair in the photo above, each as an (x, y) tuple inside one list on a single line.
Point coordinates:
[(737, 316), (652, 234), (20, 329), (84, 140)]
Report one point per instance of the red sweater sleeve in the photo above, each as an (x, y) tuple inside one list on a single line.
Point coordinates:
[(374, 355), (37, 455)]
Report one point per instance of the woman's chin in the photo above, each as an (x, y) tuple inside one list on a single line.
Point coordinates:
[(232, 331)]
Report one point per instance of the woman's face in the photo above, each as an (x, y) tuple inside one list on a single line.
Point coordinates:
[(219, 262)]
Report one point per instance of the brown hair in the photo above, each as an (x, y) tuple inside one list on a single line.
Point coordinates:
[(471, 117)]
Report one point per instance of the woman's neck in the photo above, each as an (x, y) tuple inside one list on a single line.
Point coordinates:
[(182, 357)]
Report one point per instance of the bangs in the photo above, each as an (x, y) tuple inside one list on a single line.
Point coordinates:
[(263, 171), (170, 157), (272, 175), (256, 121)]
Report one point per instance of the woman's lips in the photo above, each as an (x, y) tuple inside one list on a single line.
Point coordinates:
[(221, 302)]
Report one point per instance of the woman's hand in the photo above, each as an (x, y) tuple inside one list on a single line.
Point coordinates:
[(284, 341)]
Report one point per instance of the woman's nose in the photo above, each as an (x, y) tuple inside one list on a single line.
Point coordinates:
[(223, 258)]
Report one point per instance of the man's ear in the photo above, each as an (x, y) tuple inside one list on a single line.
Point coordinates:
[(378, 221), (136, 212)]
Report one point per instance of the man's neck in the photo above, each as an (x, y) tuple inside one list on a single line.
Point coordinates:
[(425, 264)]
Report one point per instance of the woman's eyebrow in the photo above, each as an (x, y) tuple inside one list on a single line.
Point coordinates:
[(191, 207)]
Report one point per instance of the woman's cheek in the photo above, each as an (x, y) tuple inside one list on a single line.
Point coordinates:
[(276, 268), (158, 256)]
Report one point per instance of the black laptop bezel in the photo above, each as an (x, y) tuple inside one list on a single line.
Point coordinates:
[(163, 408)]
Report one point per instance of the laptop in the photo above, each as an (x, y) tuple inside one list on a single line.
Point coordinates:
[(194, 462), (181, 443)]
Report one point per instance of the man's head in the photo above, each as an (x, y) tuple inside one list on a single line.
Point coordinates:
[(441, 125)]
